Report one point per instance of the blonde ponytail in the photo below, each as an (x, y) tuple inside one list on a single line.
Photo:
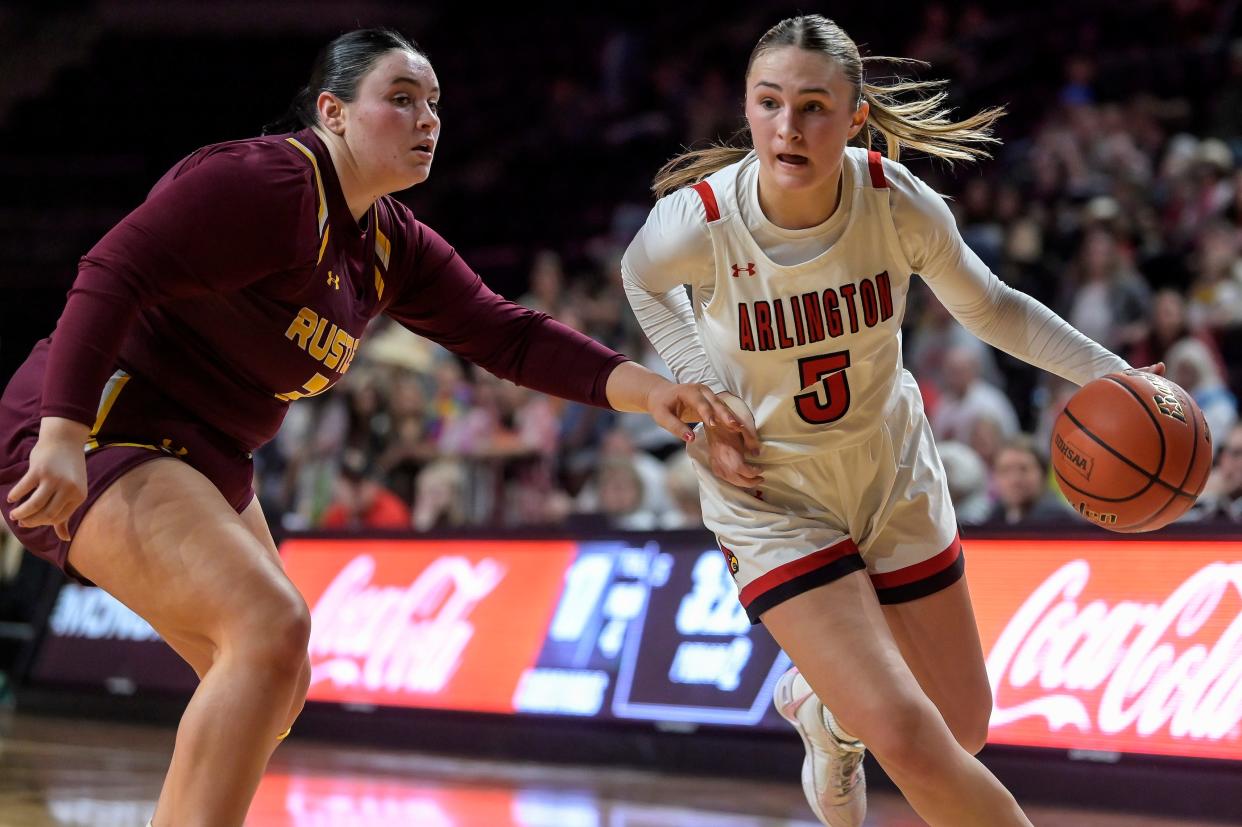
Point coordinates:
[(693, 166), (922, 122)]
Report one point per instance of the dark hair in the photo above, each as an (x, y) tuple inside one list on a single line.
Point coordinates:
[(1026, 444), (921, 122), (338, 68)]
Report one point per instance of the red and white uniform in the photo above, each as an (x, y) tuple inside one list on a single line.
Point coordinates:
[(805, 327)]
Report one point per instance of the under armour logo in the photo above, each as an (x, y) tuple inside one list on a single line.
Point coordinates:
[(168, 447), (334, 280), (750, 269)]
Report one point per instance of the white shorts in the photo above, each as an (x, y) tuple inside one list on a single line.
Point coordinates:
[(881, 505)]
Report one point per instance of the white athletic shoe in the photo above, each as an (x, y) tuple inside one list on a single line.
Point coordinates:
[(832, 773)]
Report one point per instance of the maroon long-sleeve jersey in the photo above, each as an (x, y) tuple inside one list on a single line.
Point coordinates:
[(243, 283)]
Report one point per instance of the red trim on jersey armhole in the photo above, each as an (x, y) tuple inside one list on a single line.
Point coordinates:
[(704, 190), (875, 163)]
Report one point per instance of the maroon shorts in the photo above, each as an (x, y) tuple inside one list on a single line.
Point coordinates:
[(135, 424)]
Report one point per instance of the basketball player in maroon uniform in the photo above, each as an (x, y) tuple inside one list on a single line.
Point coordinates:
[(245, 281)]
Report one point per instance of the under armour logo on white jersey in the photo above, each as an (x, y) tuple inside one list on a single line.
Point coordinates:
[(749, 268)]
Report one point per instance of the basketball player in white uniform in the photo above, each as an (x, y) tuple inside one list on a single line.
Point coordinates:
[(840, 533)]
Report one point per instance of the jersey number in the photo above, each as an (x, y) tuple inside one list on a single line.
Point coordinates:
[(830, 368), (314, 386)]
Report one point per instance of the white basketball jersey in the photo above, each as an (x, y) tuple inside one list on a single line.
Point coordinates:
[(813, 349)]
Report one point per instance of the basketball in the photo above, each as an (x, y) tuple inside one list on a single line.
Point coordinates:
[(1131, 451)]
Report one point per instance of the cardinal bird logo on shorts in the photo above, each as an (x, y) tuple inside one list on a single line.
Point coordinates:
[(732, 560), (749, 268)]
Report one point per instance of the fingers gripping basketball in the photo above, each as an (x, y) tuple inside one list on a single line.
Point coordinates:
[(1131, 451)]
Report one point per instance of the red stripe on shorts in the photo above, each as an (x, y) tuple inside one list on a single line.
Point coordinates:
[(796, 568), (919, 571)]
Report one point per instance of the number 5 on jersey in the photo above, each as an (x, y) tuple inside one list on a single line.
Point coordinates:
[(830, 368)]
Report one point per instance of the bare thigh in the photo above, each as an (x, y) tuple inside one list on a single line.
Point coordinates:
[(837, 636), (165, 542), (198, 650), (939, 639)]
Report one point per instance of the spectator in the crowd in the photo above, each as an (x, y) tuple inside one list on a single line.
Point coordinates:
[(361, 501), (966, 397), (1216, 292), (1190, 364), (1167, 325), (483, 429), (986, 438), (1025, 266), (409, 449), (621, 494), (1020, 476), (1105, 295), (440, 500), (934, 335), (682, 484), (1052, 395), (618, 444), (367, 416), (980, 227), (547, 280), (1204, 193), (451, 396), (968, 482), (1222, 496)]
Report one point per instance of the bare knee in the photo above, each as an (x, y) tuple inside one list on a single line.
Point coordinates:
[(273, 634), (287, 633), (969, 723), (907, 737)]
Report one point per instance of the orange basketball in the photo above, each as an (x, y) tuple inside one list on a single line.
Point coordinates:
[(1131, 451)]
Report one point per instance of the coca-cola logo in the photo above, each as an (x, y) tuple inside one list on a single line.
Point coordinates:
[(1108, 668), (406, 638)]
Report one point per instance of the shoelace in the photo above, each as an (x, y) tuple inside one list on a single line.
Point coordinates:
[(847, 772)]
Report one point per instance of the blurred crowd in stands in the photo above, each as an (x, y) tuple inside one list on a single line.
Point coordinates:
[(1116, 200)]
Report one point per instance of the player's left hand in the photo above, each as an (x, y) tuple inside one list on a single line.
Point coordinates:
[(725, 455), (672, 406), (1157, 369)]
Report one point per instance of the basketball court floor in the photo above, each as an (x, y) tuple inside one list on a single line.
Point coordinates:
[(59, 771)]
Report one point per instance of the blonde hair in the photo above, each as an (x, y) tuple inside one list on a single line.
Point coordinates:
[(920, 123)]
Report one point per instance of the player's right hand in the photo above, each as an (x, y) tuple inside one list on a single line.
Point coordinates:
[(54, 485)]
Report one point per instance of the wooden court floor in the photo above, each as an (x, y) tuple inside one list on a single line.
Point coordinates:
[(59, 771)]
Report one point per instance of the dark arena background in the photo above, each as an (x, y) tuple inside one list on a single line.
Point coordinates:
[(518, 618)]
